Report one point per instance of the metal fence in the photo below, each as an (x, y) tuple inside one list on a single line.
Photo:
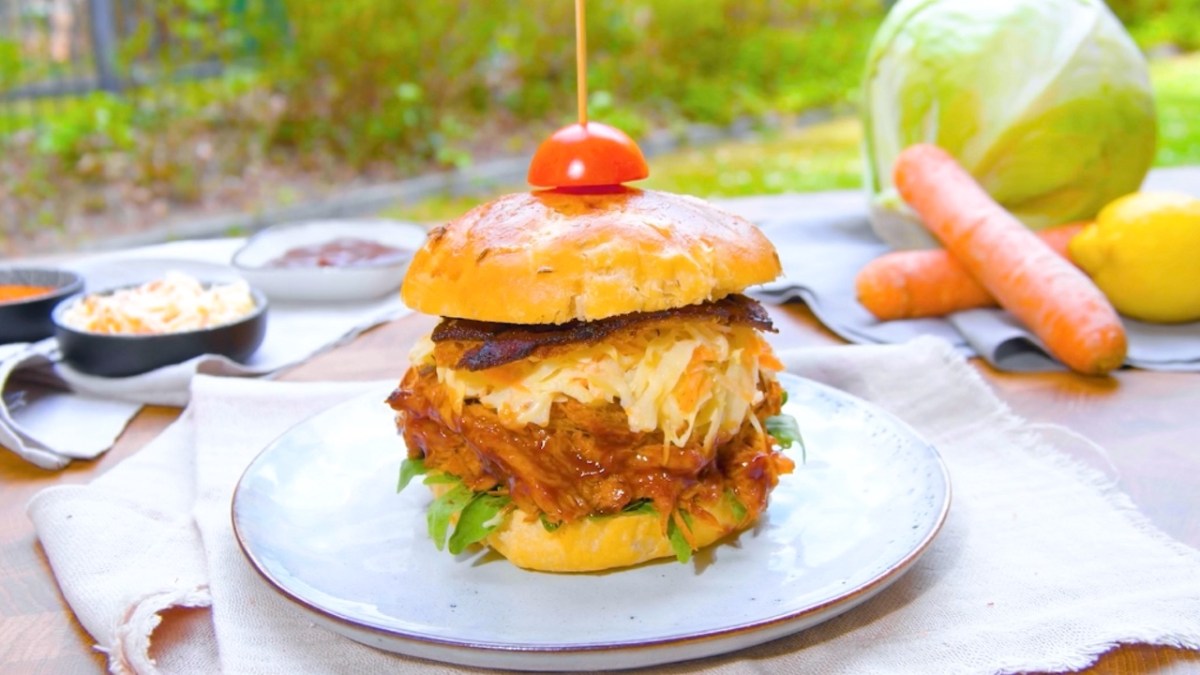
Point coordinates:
[(53, 50)]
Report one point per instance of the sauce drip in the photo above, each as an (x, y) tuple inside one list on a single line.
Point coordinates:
[(14, 292), (340, 252)]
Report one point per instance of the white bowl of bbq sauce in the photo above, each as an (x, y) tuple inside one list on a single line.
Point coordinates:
[(329, 261)]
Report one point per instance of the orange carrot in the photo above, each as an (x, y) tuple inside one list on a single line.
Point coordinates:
[(1055, 300), (917, 284)]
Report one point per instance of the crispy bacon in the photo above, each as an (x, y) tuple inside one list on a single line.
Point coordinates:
[(501, 343)]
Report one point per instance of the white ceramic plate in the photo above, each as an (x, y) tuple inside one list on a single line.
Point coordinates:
[(326, 284), (317, 514)]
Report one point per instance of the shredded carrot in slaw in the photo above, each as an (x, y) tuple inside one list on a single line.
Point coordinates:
[(173, 304)]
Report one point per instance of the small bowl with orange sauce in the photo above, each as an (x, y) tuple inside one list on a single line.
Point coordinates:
[(329, 261), (28, 295)]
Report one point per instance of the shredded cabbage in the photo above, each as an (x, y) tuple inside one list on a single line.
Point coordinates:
[(173, 304), (685, 379)]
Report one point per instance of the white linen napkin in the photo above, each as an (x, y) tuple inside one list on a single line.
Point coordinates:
[(1041, 565), (52, 413), (825, 239)]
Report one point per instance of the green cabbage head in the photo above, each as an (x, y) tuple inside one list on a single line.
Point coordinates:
[(1046, 102)]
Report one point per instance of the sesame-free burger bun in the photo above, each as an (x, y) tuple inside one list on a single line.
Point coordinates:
[(599, 542), (549, 257)]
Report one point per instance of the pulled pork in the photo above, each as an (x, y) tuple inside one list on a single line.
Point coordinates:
[(586, 461)]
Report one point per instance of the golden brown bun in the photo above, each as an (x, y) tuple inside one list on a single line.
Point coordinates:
[(594, 544), (551, 257), (598, 543)]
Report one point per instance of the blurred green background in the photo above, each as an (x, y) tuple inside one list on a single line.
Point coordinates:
[(218, 105)]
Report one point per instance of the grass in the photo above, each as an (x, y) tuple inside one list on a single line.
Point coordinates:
[(1177, 93), (821, 157), (826, 156)]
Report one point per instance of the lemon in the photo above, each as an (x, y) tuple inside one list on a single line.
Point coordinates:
[(1143, 252)]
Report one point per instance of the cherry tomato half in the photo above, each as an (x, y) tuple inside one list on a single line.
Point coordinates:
[(575, 156)]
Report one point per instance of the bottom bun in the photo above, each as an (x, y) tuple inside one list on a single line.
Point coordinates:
[(600, 542)]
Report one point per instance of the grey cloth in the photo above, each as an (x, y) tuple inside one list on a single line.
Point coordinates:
[(824, 240)]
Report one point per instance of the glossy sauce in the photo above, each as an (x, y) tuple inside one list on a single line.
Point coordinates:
[(587, 462), (340, 252), (14, 292)]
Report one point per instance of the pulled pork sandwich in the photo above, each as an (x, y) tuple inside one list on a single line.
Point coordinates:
[(598, 393)]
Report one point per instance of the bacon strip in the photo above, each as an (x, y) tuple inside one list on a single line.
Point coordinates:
[(503, 343)]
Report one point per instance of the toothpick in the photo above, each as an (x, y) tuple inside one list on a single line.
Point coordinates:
[(581, 60)]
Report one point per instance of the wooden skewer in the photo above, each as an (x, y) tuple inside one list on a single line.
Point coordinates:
[(581, 60)]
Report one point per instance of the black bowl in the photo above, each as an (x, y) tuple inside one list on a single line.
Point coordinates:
[(28, 320), (120, 355)]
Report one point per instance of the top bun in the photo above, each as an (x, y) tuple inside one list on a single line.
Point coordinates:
[(549, 257)]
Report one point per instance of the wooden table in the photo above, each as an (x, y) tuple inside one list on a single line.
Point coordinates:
[(1149, 423)]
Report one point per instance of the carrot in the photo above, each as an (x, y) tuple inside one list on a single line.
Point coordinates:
[(1056, 301), (917, 284)]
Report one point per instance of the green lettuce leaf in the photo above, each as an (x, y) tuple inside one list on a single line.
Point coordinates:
[(639, 506), (441, 478), (736, 506), (443, 509), (786, 431), (679, 543), (480, 513), (409, 469), (479, 518)]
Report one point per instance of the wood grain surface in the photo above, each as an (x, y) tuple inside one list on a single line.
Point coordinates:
[(1149, 424)]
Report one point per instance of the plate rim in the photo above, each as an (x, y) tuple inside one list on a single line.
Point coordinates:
[(813, 614)]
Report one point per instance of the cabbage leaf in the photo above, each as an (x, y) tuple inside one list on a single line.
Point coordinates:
[(1047, 103)]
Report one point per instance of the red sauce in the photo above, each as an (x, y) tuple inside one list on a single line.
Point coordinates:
[(14, 292), (340, 252)]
